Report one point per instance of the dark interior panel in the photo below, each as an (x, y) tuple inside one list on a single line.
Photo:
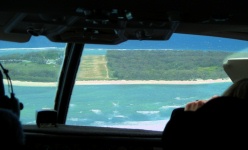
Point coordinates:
[(91, 138)]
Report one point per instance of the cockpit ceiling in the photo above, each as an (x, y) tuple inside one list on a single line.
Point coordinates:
[(112, 22)]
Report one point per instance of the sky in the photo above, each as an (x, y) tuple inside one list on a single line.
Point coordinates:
[(177, 41)]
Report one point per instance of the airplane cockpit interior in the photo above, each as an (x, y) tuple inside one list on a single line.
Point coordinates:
[(108, 74)]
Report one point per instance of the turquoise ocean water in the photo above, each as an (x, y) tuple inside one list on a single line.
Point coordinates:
[(128, 106)]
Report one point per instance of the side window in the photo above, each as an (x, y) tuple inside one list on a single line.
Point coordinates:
[(34, 68)]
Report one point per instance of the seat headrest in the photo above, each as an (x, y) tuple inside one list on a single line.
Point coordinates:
[(236, 68)]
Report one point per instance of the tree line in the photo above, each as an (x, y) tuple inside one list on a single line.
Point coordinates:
[(166, 64)]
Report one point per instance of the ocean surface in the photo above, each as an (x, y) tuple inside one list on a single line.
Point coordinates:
[(124, 106)]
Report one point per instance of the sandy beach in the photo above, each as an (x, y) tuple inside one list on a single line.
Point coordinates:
[(152, 82), (106, 82)]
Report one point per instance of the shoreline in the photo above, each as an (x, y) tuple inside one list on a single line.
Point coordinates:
[(121, 82)]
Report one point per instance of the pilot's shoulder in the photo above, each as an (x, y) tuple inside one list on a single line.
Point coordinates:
[(224, 104)]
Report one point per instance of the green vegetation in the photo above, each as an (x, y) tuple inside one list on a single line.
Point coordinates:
[(44, 66), (166, 65), (41, 66)]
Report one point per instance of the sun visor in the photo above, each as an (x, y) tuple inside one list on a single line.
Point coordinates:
[(236, 68)]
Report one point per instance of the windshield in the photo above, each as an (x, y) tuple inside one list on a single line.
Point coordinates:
[(137, 84), (134, 85)]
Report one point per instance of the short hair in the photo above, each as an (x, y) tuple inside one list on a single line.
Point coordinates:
[(11, 130), (238, 89)]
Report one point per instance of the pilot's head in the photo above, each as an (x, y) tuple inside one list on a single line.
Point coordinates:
[(238, 89)]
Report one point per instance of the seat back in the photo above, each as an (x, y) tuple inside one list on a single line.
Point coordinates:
[(220, 123), (11, 131)]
